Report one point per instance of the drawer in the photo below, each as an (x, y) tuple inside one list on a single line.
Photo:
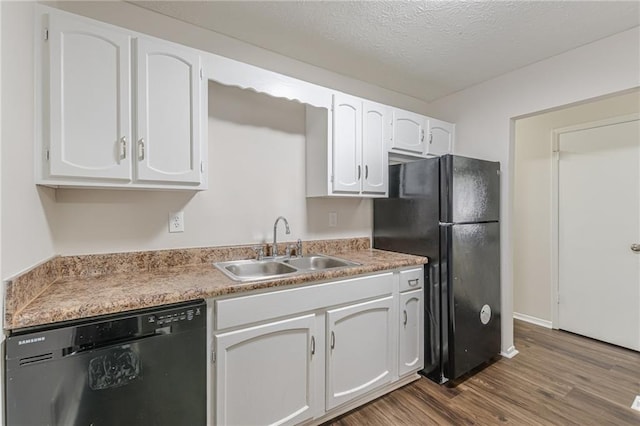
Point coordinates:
[(411, 279), (254, 308)]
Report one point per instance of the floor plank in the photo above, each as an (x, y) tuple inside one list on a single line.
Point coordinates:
[(558, 378)]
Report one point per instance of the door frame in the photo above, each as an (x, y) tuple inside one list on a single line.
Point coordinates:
[(555, 202)]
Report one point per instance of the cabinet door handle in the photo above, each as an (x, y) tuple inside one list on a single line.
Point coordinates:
[(366, 171), (123, 148), (414, 282), (422, 135), (333, 340), (359, 171), (635, 247), (430, 138), (405, 318), (313, 345), (141, 149)]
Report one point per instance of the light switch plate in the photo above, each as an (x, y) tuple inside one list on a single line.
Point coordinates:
[(176, 222)]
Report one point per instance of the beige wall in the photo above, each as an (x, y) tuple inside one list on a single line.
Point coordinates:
[(532, 197), (256, 153), (256, 173)]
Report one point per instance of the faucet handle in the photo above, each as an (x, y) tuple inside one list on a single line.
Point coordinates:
[(299, 248), (259, 252)]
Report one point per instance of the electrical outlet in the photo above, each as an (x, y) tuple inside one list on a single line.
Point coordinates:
[(176, 222), (333, 219)]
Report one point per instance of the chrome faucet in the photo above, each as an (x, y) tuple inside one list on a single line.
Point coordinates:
[(274, 252)]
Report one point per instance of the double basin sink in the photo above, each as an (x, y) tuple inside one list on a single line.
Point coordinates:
[(253, 270)]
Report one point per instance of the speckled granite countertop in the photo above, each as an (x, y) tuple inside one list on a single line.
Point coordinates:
[(76, 297)]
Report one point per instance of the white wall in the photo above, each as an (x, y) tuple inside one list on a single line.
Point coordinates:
[(484, 127), (243, 200), (532, 197), (256, 173), (26, 232)]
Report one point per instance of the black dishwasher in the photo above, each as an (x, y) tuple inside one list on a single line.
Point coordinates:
[(145, 367)]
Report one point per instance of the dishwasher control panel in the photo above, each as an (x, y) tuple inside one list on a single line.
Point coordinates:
[(184, 317)]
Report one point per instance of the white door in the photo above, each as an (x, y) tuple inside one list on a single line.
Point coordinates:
[(90, 100), (408, 131), (440, 137), (358, 349), (410, 338), (265, 375), (168, 106), (598, 221), (376, 128), (347, 144)]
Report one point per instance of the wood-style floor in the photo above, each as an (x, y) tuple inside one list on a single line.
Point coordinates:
[(557, 379)]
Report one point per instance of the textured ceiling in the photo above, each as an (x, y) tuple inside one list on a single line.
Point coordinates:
[(425, 49)]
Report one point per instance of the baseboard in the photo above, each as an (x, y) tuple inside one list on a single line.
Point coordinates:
[(510, 353), (533, 320), (636, 403)]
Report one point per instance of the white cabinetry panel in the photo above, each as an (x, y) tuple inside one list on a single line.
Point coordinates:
[(440, 137), (89, 108), (410, 338), (168, 106), (347, 143), (358, 349), (266, 374), (409, 131), (375, 135)]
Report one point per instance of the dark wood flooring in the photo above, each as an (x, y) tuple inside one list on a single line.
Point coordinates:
[(557, 379)]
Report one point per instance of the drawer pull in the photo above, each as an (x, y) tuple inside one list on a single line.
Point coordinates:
[(414, 282)]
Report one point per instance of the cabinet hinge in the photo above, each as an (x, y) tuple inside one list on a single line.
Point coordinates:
[(200, 73), (46, 33), (331, 178)]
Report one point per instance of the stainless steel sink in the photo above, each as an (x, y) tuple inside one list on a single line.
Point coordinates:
[(248, 270), (316, 262), (254, 270)]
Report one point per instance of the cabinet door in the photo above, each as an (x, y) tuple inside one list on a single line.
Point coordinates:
[(169, 108), (266, 374), (376, 131), (408, 131), (347, 144), (89, 104), (410, 338), (358, 349), (440, 137)]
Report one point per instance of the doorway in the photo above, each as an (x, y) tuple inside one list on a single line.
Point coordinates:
[(597, 214)]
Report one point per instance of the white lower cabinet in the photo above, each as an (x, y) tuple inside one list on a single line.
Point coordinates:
[(266, 374), (410, 334), (359, 350), (298, 355)]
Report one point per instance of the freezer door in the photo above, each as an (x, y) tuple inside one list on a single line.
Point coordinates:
[(471, 278), (470, 190)]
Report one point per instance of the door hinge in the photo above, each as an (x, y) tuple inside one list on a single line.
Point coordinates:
[(46, 33), (200, 73)]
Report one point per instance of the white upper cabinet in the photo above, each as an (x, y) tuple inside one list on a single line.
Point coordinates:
[(409, 131), (376, 131), (89, 102), (91, 92), (440, 137), (168, 107), (347, 148), (347, 143)]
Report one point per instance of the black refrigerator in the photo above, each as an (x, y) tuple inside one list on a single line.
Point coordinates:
[(448, 210)]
